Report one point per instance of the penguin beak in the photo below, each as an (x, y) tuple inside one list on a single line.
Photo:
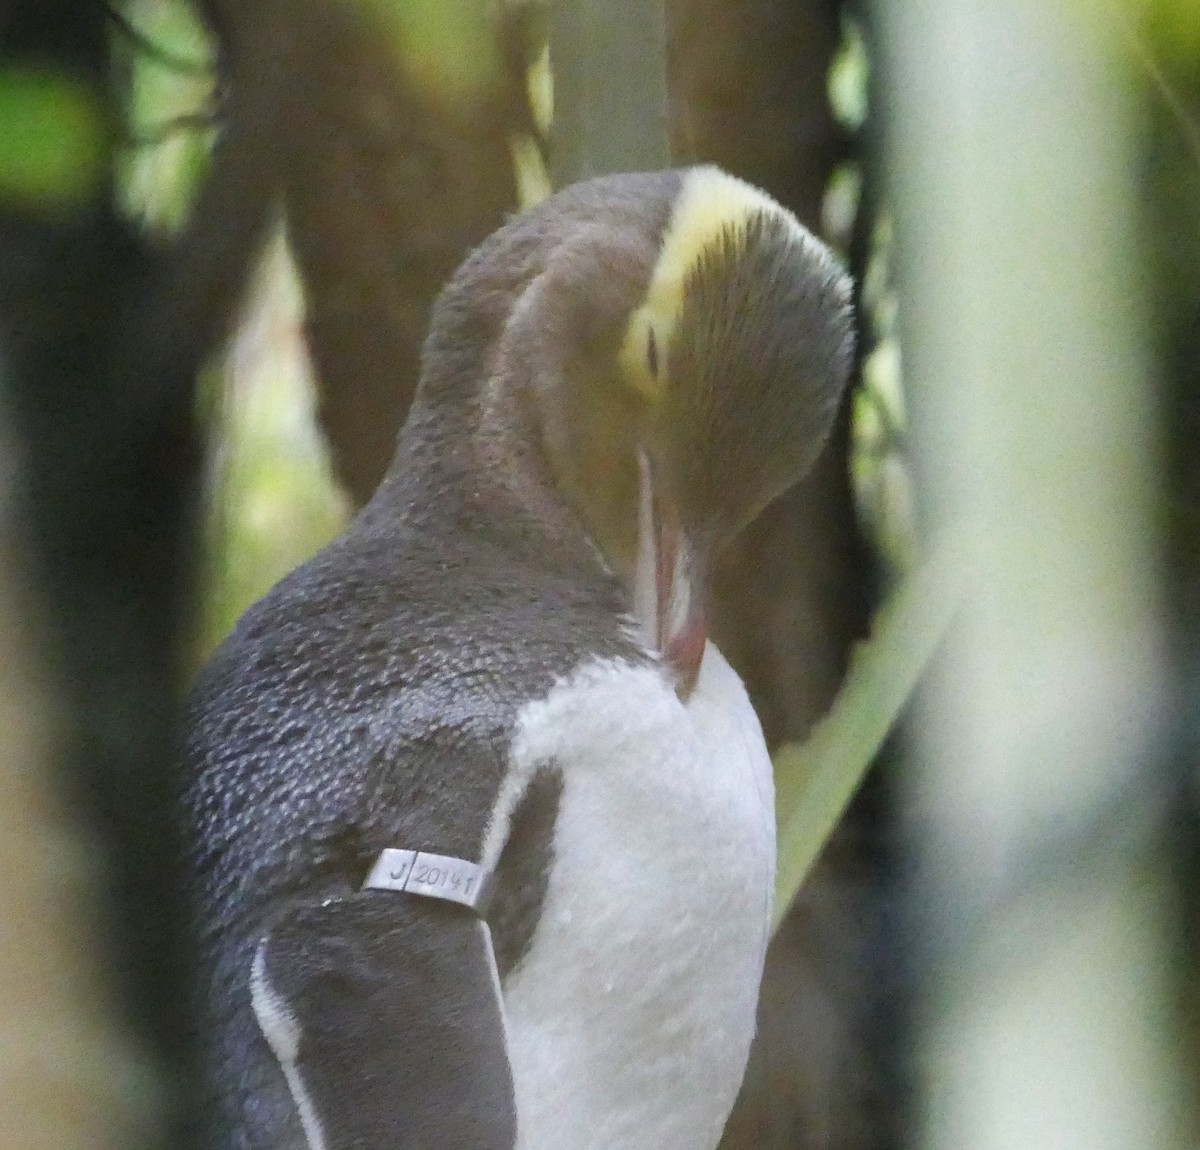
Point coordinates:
[(670, 585)]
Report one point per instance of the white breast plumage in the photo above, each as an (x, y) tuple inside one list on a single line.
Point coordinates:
[(630, 1016)]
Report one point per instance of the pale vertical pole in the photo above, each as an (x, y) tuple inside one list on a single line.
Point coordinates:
[(610, 88), (1044, 1022)]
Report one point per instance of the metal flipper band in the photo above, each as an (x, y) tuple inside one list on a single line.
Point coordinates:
[(434, 876)]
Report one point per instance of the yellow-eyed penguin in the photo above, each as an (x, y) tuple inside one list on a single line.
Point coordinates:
[(482, 826)]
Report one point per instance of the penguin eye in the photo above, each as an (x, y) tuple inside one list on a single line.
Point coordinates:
[(652, 354)]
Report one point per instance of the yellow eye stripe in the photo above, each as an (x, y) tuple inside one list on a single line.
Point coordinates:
[(709, 202)]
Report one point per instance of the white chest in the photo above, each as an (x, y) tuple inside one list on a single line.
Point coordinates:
[(630, 1017)]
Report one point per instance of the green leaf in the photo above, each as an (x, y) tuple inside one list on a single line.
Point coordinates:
[(815, 780), (54, 140)]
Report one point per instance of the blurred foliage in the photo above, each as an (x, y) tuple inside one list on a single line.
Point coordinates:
[(1171, 29), (533, 177), (533, 180), (847, 81), (169, 131), (272, 498), (878, 456), (879, 461), (541, 91), (54, 146), (1168, 48)]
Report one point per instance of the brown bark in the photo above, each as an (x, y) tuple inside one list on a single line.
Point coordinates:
[(387, 185)]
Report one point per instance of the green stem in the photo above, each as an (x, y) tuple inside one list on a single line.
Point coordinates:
[(815, 780)]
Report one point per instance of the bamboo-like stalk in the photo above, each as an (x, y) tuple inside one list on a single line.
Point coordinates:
[(1041, 901), (610, 88)]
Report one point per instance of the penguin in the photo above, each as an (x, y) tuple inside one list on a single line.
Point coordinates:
[(481, 824)]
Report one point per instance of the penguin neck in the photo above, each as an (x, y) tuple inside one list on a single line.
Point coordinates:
[(472, 452)]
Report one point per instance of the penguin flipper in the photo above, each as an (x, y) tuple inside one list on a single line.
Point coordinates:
[(384, 1012)]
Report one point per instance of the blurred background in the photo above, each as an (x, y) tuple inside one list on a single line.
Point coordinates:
[(222, 225)]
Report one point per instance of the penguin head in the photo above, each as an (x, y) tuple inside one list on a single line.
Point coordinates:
[(679, 344), (739, 350)]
